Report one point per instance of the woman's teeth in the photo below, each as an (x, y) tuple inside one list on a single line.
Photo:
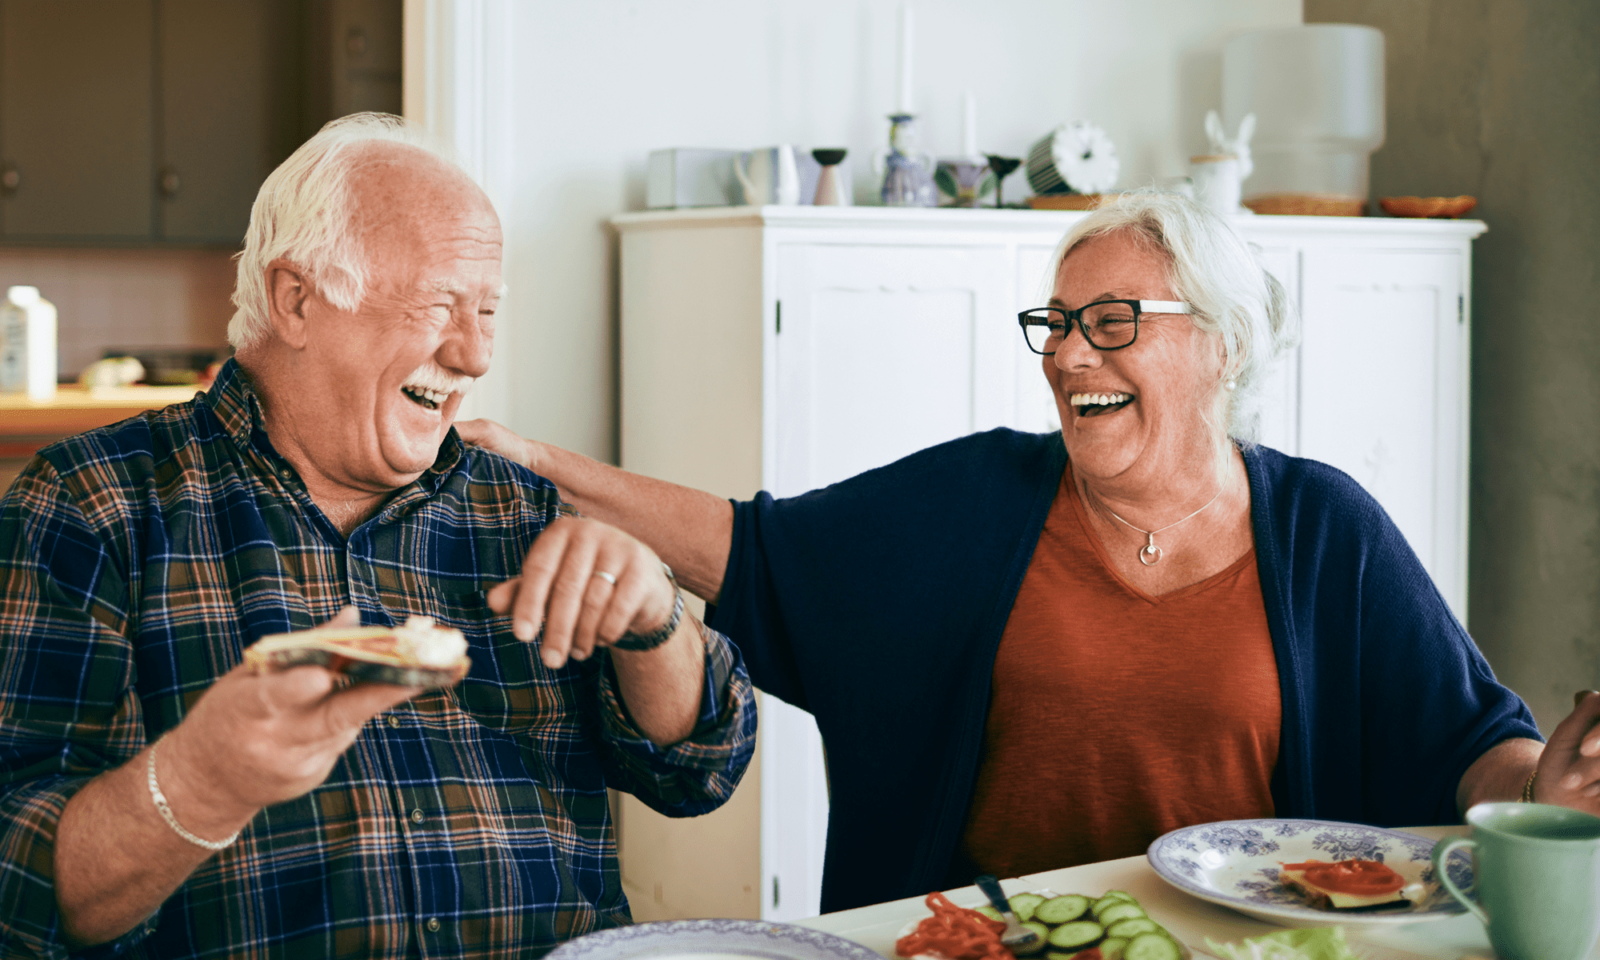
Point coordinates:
[(1093, 400), (421, 396)]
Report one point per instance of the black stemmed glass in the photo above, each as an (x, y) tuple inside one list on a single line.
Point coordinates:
[(1106, 324)]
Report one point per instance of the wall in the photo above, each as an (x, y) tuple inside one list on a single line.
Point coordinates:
[(1501, 99), (595, 86), (127, 299)]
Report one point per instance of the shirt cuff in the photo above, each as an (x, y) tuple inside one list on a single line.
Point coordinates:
[(714, 755)]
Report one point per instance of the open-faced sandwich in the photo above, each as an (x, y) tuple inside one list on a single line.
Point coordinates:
[(1347, 884), (418, 654)]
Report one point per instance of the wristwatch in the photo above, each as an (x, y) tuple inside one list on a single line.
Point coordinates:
[(660, 635)]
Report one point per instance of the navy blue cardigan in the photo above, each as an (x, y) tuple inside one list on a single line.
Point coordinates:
[(878, 603)]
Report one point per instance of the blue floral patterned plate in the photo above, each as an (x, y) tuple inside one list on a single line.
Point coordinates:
[(711, 940), (1235, 863)]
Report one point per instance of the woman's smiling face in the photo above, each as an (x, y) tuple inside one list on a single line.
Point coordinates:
[(1162, 387)]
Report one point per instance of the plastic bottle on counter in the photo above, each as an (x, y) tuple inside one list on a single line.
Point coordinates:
[(28, 344)]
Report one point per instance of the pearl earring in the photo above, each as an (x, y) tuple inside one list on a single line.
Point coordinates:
[(1230, 385)]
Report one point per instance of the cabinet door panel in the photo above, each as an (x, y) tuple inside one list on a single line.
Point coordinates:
[(1280, 394), (885, 351), (1382, 395), (1036, 402), (224, 124), (75, 112)]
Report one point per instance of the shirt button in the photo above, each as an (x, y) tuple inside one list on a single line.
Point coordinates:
[(433, 924), (394, 721), (416, 817)]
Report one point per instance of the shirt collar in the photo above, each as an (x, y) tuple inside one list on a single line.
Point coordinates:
[(233, 399)]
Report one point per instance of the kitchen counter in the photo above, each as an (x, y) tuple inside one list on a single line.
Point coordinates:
[(26, 425)]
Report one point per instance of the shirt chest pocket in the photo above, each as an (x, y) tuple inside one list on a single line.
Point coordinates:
[(508, 687)]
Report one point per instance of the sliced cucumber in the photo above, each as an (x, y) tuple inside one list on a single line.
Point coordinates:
[(1077, 935), (1061, 955), (1110, 900), (1023, 905), (1132, 928), (1037, 945), (1120, 895), (990, 912), (1062, 909), (1152, 946), (1113, 948), (1121, 910)]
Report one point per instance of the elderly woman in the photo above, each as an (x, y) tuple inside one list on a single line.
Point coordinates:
[(1030, 651)]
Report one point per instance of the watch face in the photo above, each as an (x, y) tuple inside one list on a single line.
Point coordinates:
[(1086, 157)]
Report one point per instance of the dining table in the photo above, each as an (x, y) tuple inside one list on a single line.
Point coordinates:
[(1192, 921)]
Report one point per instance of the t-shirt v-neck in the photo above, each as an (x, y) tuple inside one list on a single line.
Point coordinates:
[(1116, 716)]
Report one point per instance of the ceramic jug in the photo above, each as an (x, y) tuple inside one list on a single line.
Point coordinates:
[(772, 176)]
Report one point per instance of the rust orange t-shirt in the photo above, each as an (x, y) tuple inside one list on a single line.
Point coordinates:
[(1116, 716)]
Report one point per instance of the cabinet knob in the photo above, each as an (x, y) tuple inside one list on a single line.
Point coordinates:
[(10, 178), (170, 182)]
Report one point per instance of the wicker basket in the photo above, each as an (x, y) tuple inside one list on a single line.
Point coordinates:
[(1307, 205), (1067, 201)]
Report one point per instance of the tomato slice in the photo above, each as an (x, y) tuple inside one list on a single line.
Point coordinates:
[(1361, 878)]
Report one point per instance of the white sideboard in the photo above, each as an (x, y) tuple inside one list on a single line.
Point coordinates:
[(785, 348)]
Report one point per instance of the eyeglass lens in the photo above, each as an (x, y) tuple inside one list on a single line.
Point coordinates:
[(1107, 325)]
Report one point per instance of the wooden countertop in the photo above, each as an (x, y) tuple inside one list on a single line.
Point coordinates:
[(26, 425)]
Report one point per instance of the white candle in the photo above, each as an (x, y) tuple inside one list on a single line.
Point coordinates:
[(969, 125), (905, 102)]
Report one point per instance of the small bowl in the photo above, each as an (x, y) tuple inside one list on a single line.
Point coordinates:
[(1442, 207)]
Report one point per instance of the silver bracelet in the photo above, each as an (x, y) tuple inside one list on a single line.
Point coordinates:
[(165, 810)]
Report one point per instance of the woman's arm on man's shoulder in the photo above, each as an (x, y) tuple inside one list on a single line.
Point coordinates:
[(689, 529)]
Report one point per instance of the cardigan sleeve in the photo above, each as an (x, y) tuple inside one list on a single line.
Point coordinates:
[(1387, 700)]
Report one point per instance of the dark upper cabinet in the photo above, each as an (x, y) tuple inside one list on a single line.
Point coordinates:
[(76, 112), (155, 121), (229, 111)]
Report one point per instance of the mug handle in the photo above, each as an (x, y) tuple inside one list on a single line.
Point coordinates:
[(1441, 853)]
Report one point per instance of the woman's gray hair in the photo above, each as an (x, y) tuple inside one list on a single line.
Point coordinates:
[(303, 214), (1218, 273)]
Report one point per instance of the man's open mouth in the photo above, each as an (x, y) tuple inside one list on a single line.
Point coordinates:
[(422, 397), (1095, 404)]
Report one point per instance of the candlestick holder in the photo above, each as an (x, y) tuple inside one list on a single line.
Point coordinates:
[(1002, 167), (907, 174)]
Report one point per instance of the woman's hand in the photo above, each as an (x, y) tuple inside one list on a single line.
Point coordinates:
[(1569, 769), (494, 438)]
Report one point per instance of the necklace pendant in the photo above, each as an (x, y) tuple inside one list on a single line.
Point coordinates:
[(1150, 554)]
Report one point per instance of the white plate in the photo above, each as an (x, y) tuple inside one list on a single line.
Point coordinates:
[(711, 940), (1235, 863)]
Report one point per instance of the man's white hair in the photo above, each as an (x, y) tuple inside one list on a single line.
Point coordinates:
[(303, 214), (1213, 268)]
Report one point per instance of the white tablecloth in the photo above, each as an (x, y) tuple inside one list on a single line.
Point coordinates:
[(1189, 919)]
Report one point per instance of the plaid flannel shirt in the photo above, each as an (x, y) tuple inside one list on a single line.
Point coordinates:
[(136, 564)]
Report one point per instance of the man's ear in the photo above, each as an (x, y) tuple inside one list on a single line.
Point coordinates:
[(288, 296)]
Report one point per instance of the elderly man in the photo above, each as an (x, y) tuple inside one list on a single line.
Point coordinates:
[(157, 797)]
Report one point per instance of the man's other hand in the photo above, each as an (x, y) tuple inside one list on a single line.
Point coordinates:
[(257, 739), (589, 583), (1569, 769)]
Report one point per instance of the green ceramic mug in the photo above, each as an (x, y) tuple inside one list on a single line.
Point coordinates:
[(1537, 878)]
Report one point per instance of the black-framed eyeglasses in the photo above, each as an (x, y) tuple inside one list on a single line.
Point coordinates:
[(1107, 325)]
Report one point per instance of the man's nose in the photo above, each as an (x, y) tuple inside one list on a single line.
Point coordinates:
[(470, 343)]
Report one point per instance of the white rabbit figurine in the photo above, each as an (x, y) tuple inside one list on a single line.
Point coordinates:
[(1239, 146)]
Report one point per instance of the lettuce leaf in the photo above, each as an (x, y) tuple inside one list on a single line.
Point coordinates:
[(1313, 943)]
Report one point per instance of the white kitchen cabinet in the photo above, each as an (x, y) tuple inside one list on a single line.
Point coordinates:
[(785, 348)]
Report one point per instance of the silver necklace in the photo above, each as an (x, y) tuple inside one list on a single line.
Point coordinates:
[(1150, 554)]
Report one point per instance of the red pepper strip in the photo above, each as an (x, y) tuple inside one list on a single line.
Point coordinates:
[(956, 933)]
